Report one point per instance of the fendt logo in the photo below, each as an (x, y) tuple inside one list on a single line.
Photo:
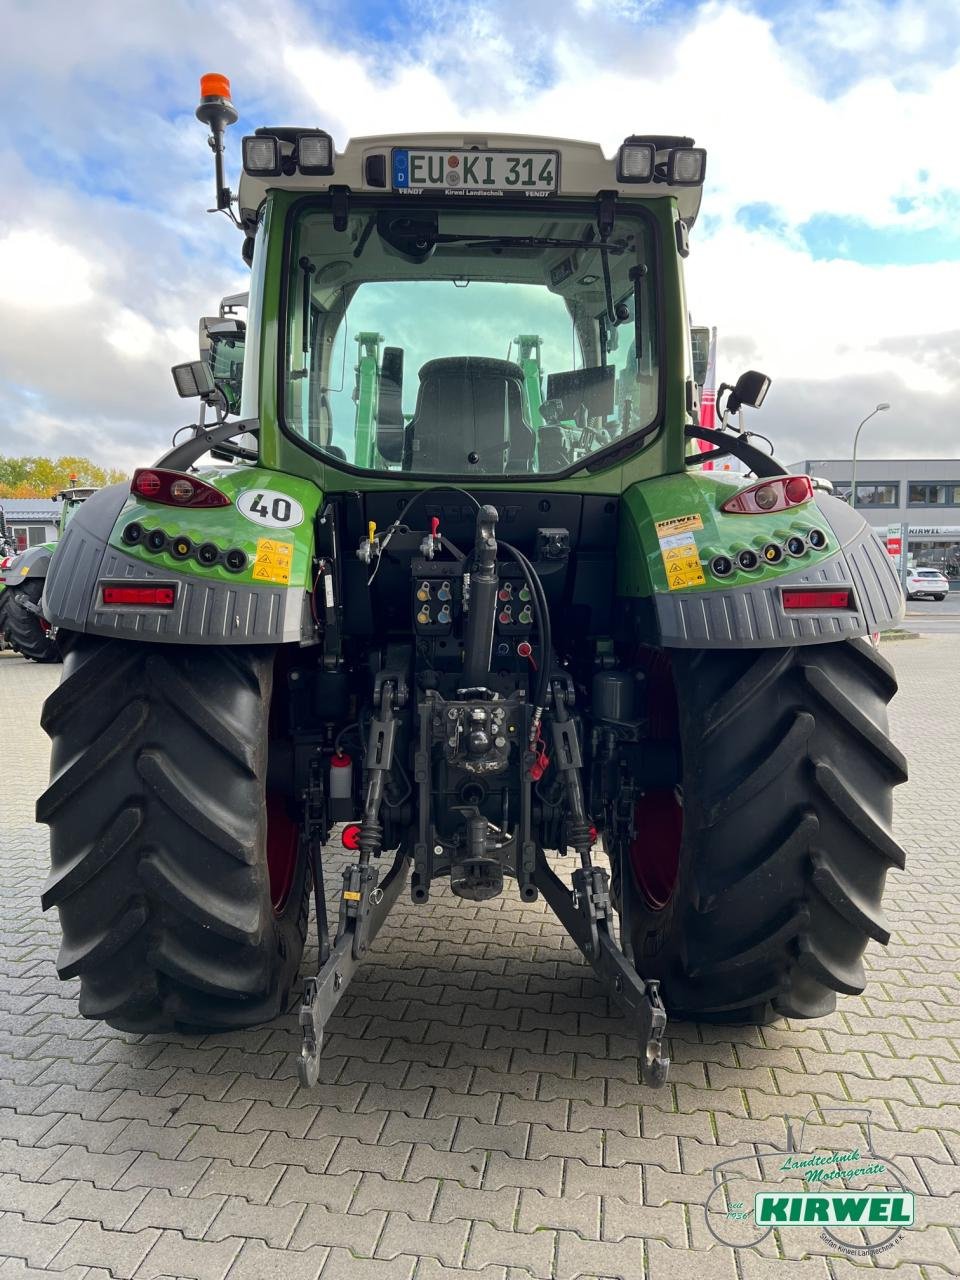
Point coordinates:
[(834, 1209)]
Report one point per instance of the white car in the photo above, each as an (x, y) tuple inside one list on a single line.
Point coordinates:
[(926, 582)]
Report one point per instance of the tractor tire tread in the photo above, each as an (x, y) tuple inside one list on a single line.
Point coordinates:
[(157, 821)]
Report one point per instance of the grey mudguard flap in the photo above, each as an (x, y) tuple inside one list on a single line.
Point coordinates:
[(206, 611), (754, 617), (31, 563)]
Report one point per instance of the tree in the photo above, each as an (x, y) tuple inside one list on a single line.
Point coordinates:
[(43, 477)]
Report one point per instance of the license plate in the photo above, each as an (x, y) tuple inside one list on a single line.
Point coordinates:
[(475, 172)]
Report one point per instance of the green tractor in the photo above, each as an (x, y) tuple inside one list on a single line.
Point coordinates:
[(458, 583), (23, 625)]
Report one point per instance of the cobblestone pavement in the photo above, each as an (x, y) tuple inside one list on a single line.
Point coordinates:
[(478, 1113)]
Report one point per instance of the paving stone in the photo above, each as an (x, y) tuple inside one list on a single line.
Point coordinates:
[(413, 1198), (173, 1255), (187, 1214), (508, 1138), (499, 1207), (351, 1156), (545, 1175), (79, 1164), (335, 1191), (110, 1208), (35, 1200), (341, 1265), (310, 1153), (224, 1178), (273, 1223), (532, 1251), (256, 1261), (444, 1241), (120, 1252), (149, 1170), (580, 1214), (357, 1232)]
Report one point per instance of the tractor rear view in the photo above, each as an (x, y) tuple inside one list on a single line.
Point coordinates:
[(23, 624), (456, 579)]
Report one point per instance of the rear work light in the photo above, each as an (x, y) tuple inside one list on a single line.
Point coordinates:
[(174, 489), (687, 167), (635, 161), (150, 597), (261, 156), (817, 598), (776, 494), (315, 153)]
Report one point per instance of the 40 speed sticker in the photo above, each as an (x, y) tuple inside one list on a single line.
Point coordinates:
[(271, 508)]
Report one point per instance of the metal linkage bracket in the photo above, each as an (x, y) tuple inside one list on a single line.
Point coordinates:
[(586, 914), (364, 905)]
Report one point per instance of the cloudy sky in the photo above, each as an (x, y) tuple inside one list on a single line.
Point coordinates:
[(827, 252)]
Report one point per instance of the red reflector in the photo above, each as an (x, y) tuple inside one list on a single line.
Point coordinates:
[(814, 599), (158, 597), (351, 836)]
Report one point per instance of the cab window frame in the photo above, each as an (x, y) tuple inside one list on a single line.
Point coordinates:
[(612, 454)]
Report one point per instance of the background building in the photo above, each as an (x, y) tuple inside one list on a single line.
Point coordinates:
[(31, 520), (922, 493)]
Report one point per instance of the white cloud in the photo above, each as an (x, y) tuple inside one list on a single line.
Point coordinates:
[(107, 257), (40, 272)]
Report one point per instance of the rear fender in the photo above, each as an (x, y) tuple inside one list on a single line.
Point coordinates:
[(672, 528), (269, 523), (31, 563)]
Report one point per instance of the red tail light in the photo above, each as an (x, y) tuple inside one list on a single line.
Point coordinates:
[(776, 494), (152, 597), (817, 598), (174, 489)]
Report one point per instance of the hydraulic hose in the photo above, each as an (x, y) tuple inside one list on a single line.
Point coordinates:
[(542, 612)]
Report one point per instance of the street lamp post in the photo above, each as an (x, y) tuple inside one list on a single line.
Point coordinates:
[(881, 408)]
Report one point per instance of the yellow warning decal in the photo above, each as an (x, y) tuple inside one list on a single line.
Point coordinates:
[(273, 562), (351, 895), (679, 524), (681, 559)]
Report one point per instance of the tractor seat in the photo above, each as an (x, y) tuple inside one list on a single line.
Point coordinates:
[(469, 417)]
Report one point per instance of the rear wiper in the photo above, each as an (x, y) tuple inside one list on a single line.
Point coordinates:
[(524, 242)]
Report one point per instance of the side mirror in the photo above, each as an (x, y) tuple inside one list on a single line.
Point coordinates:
[(215, 329), (751, 389), (222, 342)]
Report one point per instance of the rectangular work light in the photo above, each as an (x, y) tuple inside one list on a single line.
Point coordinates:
[(261, 156), (315, 153), (193, 379), (686, 167), (635, 161)]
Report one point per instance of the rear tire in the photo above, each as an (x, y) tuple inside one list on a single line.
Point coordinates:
[(24, 630), (788, 776), (157, 817)]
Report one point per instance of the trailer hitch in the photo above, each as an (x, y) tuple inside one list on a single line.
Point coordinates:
[(586, 914)]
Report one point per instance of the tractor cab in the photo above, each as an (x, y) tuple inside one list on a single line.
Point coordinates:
[(439, 290)]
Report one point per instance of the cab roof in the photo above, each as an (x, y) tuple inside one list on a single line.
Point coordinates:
[(584, 170)]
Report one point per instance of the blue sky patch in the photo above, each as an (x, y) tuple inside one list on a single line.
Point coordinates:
[(828, 236)]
